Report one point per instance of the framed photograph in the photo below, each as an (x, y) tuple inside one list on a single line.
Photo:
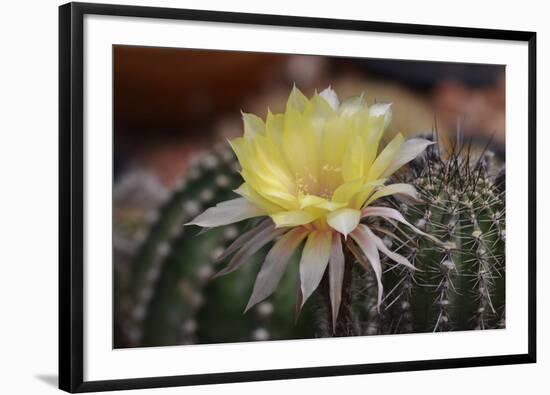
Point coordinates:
[(251, 197)]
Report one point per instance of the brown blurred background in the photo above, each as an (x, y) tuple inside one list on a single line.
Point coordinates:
[(173, 106), (169, 103)]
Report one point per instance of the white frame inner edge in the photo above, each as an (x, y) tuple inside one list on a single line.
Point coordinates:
[(102, 362)]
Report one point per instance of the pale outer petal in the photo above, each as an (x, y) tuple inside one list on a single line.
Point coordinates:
[(275, 265), (250, 248), (344, 220), (244, 238), (226, 213), (368, 246), (292, 218), (313, 264), (393, 189), (409, 150), (386, 157), (381, 110), (336, 267), (331, 98), (390, 213), (352, 105), (390, 254), (253, 125)]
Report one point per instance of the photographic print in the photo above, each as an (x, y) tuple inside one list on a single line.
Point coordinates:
[(262, 196), (248, 197)]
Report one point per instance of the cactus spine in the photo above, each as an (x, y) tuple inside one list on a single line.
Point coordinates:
[(460, 283)]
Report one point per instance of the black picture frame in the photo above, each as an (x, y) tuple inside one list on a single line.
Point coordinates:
[(71, 197)]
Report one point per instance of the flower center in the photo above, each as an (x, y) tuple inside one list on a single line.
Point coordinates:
[(330, 177), (306, 183)]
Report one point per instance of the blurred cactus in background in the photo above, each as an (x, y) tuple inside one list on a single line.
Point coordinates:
[(166, 295)]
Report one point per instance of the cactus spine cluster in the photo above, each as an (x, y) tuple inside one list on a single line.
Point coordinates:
[(460, 282)]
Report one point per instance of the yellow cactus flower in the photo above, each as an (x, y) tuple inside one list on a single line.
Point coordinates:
[(314, 171)]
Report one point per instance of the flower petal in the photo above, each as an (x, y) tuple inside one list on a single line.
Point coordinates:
[(330, 97), (226, 213), (249, 248), (368, 246), (299, 298), (275, 265), (293, 218), (381, 110), (275, 194), (334, 142), (390, 213), (351, 106), (394, 189), (296, 101), (358, 200), (310, 200), (313, 264), (270, 160), (246, 191), (253, 125), (409, 150), (372, 134), (245, 237), (274, 127), (300, 145), (390, 254), (336, 277), (319, 202), (384, 212), (385, 158), (344, 220), (241, 148), (347, 190), (353, 163)]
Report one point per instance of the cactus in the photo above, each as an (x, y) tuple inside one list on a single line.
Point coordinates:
[(166, 297), (460, 282)]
